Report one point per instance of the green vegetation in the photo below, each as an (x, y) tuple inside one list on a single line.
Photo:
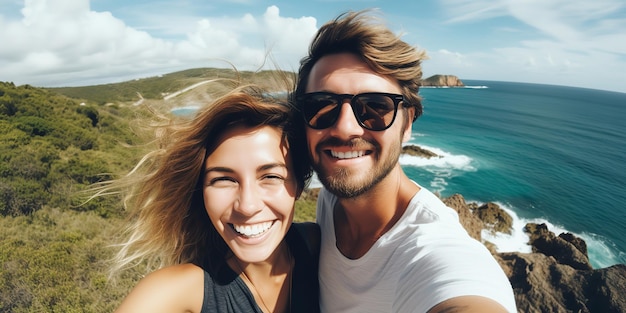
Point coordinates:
[(55, 143), (51, 145), (157, 86), (53, 251), (55, 260)]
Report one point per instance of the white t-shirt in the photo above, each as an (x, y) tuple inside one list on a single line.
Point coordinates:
[(426, 258)]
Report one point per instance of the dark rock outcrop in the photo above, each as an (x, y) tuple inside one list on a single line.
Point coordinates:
[(546, 242), (418, 151), (541, 284), (580, 244), (495, 218), (442, 81)]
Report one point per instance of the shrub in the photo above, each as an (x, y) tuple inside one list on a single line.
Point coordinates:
[(21, 197), (55, 261), (34, 125), (90, 112)]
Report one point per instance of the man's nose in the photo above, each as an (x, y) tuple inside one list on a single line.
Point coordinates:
[(346, 126)]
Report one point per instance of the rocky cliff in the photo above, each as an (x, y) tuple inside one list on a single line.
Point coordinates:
[(557, 275), (442, 81)]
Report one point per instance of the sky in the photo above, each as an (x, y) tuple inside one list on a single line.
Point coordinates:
[(53, 43)]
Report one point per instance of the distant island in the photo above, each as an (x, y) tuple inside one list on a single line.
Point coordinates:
[(442, 81)]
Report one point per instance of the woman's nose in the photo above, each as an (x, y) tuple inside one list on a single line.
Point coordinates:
[(249, 201)]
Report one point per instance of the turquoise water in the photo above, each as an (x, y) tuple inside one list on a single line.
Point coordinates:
[(186, 111), (544, 153)]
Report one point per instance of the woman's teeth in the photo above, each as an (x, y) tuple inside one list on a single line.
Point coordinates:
[(252, 230)]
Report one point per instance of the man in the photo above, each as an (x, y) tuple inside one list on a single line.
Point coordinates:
[(388, 245)]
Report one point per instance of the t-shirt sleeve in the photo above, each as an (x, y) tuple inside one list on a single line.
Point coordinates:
[(455, 266)]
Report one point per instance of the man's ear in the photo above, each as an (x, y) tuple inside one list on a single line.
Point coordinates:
[(410, 118)]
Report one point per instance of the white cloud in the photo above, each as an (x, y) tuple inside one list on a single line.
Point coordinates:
[(578, 43), (467, 10), (64, 42), (575, 23), (447, 62)]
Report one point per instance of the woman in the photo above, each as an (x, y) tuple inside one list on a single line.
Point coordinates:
[(213, 209)]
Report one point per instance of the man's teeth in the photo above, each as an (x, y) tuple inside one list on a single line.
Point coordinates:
[(347, 155), (252, 230)]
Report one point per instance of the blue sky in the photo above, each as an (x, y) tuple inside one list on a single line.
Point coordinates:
[(79, 42)]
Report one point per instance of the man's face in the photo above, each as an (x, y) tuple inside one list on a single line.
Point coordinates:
[(349, 159)]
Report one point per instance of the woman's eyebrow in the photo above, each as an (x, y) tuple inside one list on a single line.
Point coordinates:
[(269, 166), (230, 170), (218, 169)]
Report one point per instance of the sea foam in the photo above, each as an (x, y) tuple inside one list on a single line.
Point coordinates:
[(443, 167), (443, 160), (600, 250)]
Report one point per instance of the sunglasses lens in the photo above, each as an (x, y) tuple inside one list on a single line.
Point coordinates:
[(320, 110), (374, 111)]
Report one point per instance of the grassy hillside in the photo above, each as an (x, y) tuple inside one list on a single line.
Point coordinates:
[(54, 143), (157, 87)]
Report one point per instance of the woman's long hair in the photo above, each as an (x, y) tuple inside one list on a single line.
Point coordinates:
[(163, 192)]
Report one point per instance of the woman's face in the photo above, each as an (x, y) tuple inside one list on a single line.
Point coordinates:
[(249, 191)]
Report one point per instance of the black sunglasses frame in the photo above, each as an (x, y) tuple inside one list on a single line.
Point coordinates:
[(340, 98)]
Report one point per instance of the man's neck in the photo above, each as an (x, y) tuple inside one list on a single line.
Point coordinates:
[(360, 221)]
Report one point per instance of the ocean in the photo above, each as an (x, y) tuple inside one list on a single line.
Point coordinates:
[(545, 154)]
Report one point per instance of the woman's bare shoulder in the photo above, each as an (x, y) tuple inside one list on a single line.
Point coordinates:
[(177, 288)]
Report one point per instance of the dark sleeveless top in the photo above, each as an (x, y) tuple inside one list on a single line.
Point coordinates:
[(225, 291)]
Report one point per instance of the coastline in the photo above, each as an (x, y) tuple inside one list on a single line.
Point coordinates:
[(600, 254), (555, 275)]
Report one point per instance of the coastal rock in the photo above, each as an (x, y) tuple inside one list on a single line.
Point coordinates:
[(579, 243), (442, 81), (535, 231), (418, 151), (541, 284), (546, 242), (470, 222), (495, 218)]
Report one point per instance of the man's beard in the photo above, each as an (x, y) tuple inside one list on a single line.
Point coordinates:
[(343, 184)]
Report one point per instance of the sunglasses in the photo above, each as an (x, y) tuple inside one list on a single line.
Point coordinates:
[(373, 110)]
